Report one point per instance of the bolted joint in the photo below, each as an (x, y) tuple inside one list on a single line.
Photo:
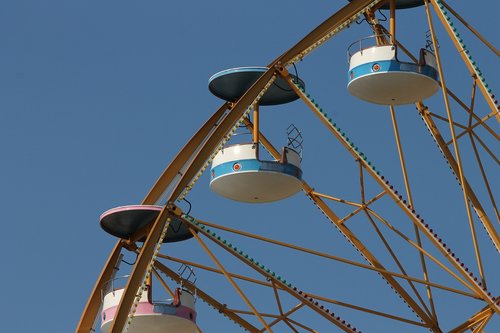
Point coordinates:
[(281, 69), (174, 209), (222, 308), (129, 245)]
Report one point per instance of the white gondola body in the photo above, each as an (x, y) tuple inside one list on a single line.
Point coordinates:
[(238, 175), (377, 76), (151, 317)]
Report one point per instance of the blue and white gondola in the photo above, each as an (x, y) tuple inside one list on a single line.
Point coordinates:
[(377, 76), (239, 175)]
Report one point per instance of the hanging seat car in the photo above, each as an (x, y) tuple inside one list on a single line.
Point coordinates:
[(238, 174), (125, 221), (377, 76), (173, 316)]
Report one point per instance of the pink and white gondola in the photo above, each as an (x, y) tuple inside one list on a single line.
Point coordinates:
[(175, 316)]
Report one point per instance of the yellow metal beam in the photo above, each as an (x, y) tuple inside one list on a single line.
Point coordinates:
[(223, 127), (481, 213), (476, 319), (184, 155), (88, 318), (458, 157), (90, 312), (463, 54), (485, 178), (342, 227), (164, 284), (398, 263), (328, 256), (284, 315), (201, 154), (372, 259), (474, 31), (267, 144), (315, 37), (139, 272), (412, 204), (231, 281), (222, 308), (447, 153), (214, 270), (404, 207), (294, 292), (392, 20), (202, 145), (370, 311), (199, 148)]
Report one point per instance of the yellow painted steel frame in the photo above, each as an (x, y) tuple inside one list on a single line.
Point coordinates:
[(343, 228), (455, 143), (179, 162), (313, 252), (470, 282), (412, 204), (456, 167), (91, 309), (88, 318), (197, 155), (194, 155), (222, 308), (304, 298), (477, 320), (456, 163), (231, 281), (381, 182), (463, 54)]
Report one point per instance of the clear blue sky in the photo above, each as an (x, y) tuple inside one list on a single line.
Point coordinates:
[(96, 97)]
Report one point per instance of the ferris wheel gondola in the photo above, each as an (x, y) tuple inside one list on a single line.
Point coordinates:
[(176, 315), (238, 171), (377, 75)]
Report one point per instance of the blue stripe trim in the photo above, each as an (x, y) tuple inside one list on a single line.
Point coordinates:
[(256, 165), (167, 309), (391, 66), (238, 70)]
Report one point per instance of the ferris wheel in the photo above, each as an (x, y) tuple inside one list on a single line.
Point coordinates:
[(413, 249)]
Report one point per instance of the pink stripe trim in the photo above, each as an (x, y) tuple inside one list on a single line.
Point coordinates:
[(146, 308), (130, 207)]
